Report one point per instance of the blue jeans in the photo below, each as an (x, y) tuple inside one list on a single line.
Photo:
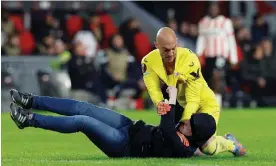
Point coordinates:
[(107, 129)]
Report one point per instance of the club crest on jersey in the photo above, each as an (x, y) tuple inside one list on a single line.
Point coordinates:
[(196, 75)]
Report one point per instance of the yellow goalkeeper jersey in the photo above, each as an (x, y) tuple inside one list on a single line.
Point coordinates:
[(193, 92)]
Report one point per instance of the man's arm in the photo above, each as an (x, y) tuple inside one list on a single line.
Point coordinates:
[(200, 43), (152, 83), (192, 89), (167, 125), (192, 94), (231, 42)]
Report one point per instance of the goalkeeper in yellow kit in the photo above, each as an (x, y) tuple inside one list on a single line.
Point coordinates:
[(170, 65)]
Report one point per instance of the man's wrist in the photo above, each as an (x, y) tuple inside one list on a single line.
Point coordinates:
[(172, 100)]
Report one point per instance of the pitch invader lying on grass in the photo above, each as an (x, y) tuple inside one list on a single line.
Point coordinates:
[(170, 65), (115, 134)]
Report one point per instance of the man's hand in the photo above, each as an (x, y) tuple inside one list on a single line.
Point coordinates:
[(163, 108), (184, 140)]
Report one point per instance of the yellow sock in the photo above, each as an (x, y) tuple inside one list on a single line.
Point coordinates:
[(217, 145)]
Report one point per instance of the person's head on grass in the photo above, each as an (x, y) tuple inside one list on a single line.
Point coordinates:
[(200, 126)]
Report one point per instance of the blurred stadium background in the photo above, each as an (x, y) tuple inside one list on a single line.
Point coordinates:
[(92, 50)]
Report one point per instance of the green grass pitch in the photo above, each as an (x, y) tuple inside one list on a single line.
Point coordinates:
[(255, 128)]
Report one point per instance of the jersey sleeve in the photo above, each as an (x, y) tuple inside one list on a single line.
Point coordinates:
[(152, 83), (200, 43), (192, 89), (231, 42)]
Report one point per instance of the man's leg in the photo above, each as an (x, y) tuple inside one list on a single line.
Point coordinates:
[(110, 140), (73, 107), (212, 75), (218, 144), (216, 81)]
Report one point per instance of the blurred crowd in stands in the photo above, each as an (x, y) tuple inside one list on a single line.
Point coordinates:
[(100, 55), (92, 49)]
